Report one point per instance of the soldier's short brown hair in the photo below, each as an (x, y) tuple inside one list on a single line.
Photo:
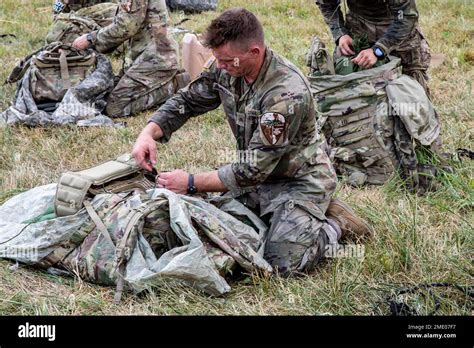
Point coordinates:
[(234, 25)]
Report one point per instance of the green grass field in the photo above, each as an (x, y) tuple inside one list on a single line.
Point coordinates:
[(418, 239)]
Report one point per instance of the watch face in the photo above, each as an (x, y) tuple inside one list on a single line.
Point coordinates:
[(378, 52)]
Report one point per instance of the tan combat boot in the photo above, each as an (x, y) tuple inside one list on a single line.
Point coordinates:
[(352, 226)]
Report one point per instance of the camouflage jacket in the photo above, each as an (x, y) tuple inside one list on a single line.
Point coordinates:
[(274, 123), (144, 23), (401, 14)]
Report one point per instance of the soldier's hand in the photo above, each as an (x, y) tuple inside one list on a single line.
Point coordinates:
[(81, 43), (365, 59), (345, 44), (144, 152), (176, 181)]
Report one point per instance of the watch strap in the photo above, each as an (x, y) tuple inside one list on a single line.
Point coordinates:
[(191, 188)]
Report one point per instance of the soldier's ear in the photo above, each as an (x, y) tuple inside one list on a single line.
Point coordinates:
[(255, 50)]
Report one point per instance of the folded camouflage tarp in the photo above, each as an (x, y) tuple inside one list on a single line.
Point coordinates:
[(161, 236)]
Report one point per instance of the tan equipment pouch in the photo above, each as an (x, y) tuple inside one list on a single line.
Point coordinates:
[(120, 175)]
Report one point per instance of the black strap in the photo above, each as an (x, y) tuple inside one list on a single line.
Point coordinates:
[(191, 187), (400, 308), (465, 153)]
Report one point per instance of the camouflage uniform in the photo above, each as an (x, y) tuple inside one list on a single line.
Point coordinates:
[(151, 62), (287, 176), (392, 25)]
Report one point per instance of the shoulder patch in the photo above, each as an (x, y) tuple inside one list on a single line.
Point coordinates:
[(273, 128)]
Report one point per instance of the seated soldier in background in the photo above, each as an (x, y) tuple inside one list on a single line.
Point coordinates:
[(150, 73), (391, 27), (283, 173)]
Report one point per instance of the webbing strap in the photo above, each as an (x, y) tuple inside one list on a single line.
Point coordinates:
[(120, 284), (119, 261), (98, 222), (354, 136), (374, 158), (342, 121), (64, 69)]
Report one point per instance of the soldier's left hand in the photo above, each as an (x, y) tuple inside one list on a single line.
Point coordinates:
[(365, 59), (176, 181), (81, 43)]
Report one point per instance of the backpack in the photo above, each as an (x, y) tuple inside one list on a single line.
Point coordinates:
[(370, 138), (58, 85), (53, 70), (69, 26), (59, 68), (132, 239)]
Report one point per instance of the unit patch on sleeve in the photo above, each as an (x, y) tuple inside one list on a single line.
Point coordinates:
[(272, 128)]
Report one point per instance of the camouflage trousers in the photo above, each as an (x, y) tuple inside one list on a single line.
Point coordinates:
[(414, 51), (142, 87), (297, 239)]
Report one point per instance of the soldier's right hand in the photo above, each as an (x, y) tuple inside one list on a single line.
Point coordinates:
[(345, 44), (144, 150)]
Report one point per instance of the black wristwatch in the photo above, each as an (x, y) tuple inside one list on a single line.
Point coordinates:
[(191, 188), (379, 53), (90, 38)]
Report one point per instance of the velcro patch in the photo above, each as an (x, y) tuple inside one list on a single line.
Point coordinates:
[(209, 63), (272, 128)]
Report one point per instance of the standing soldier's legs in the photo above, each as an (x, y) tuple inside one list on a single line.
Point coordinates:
[(297, 240), (416, 56)]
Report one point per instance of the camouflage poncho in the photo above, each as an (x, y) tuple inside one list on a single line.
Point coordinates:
[(164, 236)]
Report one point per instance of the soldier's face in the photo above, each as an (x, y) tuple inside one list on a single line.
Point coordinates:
[(235, 60)]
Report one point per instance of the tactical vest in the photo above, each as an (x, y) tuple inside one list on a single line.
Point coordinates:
[(120, 175), (354, 114)]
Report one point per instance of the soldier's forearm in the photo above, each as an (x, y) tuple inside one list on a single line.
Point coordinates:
[(154, 130), (125, 26), (405, 17), (330, 9), (209, 182)]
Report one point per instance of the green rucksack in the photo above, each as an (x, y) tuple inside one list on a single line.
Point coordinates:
[(58, 85), (58, 68)]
